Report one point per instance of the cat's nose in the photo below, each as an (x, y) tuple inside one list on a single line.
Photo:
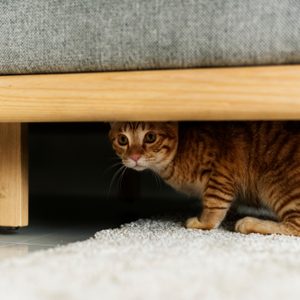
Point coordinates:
[(135, 156)]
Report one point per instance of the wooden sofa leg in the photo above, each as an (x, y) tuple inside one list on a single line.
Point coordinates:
[(13, 175)]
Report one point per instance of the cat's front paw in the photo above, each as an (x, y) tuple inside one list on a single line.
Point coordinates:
[(194, 223)]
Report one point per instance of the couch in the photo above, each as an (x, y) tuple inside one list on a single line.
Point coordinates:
[(101, 60)]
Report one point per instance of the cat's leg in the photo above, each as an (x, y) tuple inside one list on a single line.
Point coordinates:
[(283, 197), (217, 200), (254, 225), (210, 218)]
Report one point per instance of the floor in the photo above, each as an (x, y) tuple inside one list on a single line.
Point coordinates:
[(54, 223), (40, 236), (47, 229)]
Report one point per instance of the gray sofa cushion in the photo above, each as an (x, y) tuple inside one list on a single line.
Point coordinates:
[(100, 35)]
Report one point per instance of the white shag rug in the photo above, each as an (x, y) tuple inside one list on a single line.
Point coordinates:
[(158, 259)]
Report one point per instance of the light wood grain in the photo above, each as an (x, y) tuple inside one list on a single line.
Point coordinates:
[(195, 94), (13, 175)]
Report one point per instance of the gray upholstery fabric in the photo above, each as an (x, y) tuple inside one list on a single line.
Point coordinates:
[(100, 35)]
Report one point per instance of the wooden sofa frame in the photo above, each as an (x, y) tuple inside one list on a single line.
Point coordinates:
[(246, 93)]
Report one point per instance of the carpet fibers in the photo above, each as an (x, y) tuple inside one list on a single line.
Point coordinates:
[(158, 259)]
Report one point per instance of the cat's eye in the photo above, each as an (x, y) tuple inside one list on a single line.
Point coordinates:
[(150, 137), (122, 140)]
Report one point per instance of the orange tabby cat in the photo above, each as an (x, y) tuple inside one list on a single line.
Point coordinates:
[(218, 162)]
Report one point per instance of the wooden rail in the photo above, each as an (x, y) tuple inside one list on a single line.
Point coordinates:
[(247, 93)]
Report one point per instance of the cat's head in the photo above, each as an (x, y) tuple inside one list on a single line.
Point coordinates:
[(145, 145)]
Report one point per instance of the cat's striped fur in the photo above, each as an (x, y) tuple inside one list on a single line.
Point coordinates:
[(219, 162)]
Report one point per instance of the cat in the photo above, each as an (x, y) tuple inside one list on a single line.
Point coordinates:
[(220, 162)]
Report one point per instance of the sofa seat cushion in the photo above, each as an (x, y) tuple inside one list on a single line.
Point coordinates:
[(42, 36)]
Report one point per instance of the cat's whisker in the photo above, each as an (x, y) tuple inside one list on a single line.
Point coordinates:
[(157, 179), (111, 167), (121, 176), (117, 173)]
